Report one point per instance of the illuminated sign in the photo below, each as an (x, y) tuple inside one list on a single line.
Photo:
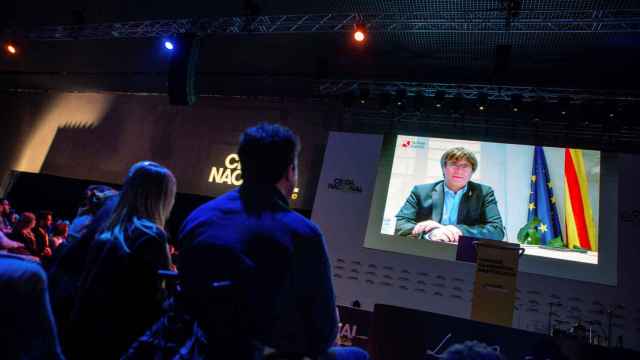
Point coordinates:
[(231, 174)]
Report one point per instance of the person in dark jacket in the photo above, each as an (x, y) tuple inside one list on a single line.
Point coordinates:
[(42, 231), (23, 233), (253, 272), (28, 328), (120, 294), (452, 207), (69, 263)]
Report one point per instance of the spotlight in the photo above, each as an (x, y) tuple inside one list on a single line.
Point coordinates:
[(538, 110), (168, 45), (10, 48), (611, 109), (364, 93), (401, 95), (564, 103), (438, 98), (594, 112), (400, 100), (360, 33), (516, 102), (614, 117), (483, 101)]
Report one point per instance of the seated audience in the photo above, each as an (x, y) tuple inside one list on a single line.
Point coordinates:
[(120, 294), (23, 233), (42, 231), (93, 201), (7, 244), (59, 235), (5, 216), (28, 330), (13, 218), (68, 265), (254, 273)]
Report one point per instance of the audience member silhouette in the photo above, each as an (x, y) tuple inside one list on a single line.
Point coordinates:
[(28, 330), (120, 294), (272, 260), (23, 233)]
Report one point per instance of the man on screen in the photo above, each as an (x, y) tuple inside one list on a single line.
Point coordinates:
[(453, 207)]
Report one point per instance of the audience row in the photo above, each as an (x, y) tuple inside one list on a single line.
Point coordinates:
[(254, 276)]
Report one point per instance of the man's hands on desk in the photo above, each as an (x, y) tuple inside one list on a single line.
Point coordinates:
[(437, 232)]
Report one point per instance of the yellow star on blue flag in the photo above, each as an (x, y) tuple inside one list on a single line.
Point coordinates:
[(542, 202)]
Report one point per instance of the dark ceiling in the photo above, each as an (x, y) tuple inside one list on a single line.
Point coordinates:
[(282, 63)]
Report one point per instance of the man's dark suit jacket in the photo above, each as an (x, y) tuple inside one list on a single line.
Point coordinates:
[(278, 260), (478, 214)]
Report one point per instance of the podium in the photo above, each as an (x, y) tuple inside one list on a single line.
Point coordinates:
[(494, 292)]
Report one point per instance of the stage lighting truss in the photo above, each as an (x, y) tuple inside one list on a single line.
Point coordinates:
[(477, 92), (579, 21), (603, 117)]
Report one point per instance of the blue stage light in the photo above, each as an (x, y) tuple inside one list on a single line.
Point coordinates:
[(168, 45)]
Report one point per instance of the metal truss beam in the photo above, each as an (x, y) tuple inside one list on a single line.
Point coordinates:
[(587, 21), (471, 91)]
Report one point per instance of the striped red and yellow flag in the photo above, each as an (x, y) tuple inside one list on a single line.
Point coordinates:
[(578, 212)]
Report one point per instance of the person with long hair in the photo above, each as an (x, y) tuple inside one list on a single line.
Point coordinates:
[(23, 233), (70, 262), (120, 294), (59, 235)]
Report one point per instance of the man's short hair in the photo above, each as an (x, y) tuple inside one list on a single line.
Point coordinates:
[(472, 350), (266, 151), (44, 213), (60, 229), (457, 154)]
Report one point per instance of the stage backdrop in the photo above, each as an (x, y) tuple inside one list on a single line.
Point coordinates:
[(99, 136)]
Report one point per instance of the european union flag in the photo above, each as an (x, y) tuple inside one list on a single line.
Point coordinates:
[(542, 203)]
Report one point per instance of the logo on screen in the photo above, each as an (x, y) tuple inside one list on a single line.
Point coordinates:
[(413, 144), (346, 185)]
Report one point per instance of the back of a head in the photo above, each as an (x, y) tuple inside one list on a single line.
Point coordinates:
[(26, 219), (265, 152), (61, 229), (44, 214), (148, 193), (4, 208), (472, 350), (96, 195)]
